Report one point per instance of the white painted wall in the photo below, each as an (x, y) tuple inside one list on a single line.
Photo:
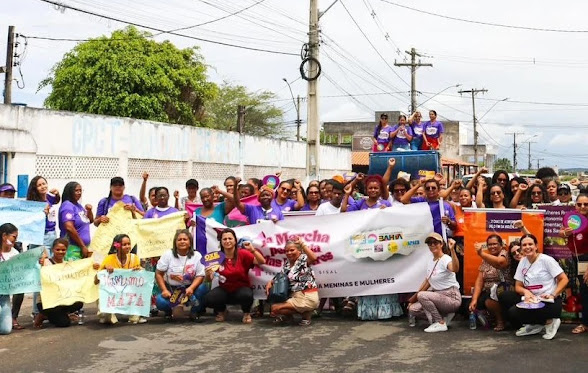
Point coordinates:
[(90, 149)]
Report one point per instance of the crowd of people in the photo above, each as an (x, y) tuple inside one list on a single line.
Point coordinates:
[(408, 134), (508, 274)]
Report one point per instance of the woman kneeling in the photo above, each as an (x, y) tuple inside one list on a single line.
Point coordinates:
[(439, 293), (303, 289)]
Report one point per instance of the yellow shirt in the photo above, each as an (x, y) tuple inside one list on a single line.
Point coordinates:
[(112, 261)]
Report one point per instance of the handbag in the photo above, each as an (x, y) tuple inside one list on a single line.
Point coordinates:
[(501, 287), (280, 290)]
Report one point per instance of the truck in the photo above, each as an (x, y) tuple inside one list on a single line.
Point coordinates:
[(410, 162)]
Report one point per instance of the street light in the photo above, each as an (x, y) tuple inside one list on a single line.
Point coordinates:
[(297, 106)]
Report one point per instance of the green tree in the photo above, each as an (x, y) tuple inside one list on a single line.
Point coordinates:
[(261, 118), (503, 164), (130, 75)]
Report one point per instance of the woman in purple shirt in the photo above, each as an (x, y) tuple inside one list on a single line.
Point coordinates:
[(283, 202), (263, 212), (313, 199), (74, 222), (163, 208), (381, 137), (117, 190), (401, 135), (373, 186), (432, 132)]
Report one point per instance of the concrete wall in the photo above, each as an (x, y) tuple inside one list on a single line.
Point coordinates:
[(90, 149)]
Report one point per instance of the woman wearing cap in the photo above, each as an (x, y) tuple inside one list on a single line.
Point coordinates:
[(493, 271), (192, 197), (304, 297), (74, 221), (417, 128), (438, 297), (538, 278), (7, 190), (564, 195), (265, 211), (381, 138), (233, 274), (578, 245), (432, 132), (401, 135), (117, 194)]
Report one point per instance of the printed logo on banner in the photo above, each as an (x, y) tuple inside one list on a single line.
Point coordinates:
[(381, 244)]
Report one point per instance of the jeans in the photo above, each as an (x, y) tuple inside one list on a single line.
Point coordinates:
[(5, 315), (197, 300), (416, 143), (218, 298)]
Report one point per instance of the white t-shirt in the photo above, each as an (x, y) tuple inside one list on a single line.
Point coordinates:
[(186, 268), (442, 277), (327, 208), (8, 255), (539, 277)]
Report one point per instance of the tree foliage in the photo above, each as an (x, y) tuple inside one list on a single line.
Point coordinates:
[(503, 164), (130, 75), (261, 118)]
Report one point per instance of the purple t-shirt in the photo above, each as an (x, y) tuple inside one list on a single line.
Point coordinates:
[(383, 137), (400, 139), (51, 219), (306, 207), (154, 213), (436, 213), (255, 213), (287, 206), (417, 129), (126, 199), (75, 213), (433, 129), (362, 205)]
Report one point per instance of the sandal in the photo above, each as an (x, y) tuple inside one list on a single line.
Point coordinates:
[(304, 322), (38, 322), (16, 325), (499, 327), (247, 319), (221, 316), (580, 329)]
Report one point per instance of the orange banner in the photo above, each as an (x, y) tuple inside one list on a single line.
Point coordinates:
[(480, 223)]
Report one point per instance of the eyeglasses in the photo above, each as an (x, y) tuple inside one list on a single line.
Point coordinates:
[(580, 204), (563, 193), (431, 188), (517, 251), (536, 193), (497, 192), (399, 190), (433, 243), (286, 189)]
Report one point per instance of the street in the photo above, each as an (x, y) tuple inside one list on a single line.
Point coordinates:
[(330, 344)]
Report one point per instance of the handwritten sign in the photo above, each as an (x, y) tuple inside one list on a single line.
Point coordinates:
[(27, 216), (154, 236), (120, 221), (20, 274), (67, 283), (126, 292)]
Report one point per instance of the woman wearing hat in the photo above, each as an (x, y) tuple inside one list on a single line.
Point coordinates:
[(438, 298), (117, 194), (381, 138), (7, 190)]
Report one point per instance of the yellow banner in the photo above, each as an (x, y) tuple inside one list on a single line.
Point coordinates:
[(66, 283), (154, 236), (120, 221)]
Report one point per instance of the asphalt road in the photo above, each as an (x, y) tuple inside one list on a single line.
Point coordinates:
[(330, 344)]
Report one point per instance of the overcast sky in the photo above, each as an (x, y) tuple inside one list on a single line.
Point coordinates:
[(541, 73)]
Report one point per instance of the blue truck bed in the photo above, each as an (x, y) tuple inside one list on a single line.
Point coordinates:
[(408, 161)]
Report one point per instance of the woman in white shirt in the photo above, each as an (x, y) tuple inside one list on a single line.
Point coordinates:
[(438, 298), (538, 278)]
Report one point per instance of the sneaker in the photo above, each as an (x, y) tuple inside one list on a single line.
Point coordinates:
[(436, 327), (137, 320), (448, 318), (551, 329), (529, 329)]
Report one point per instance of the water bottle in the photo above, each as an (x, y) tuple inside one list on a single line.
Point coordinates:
[(472, 320), (81, 317)]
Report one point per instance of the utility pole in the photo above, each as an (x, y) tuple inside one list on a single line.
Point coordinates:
[(539, 159), (514, 149), (240, 128), (313, 125), (298, 121), (240, 118), (9, 66), (413, 67), (474, 92), (530, 142)]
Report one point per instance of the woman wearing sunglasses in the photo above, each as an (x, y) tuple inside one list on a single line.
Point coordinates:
[(578, 245), (538, 278), (536, 194), (495, 198)]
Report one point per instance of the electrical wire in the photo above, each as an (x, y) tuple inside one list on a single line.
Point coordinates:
[(154, 29), (527, 28)]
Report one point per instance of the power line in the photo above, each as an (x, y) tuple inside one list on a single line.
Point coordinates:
[(154, 29), (527, 28)]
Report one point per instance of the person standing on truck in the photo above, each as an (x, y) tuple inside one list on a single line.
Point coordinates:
[(417, 129), (432, 133), (401, 135), (382, 136)]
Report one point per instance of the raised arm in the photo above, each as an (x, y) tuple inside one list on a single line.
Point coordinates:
[(480, 192), (386, 177), (409, 193), (446, 192), (472, 181), (299, 196), (236, 201), (517, 197), (143, 189)]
